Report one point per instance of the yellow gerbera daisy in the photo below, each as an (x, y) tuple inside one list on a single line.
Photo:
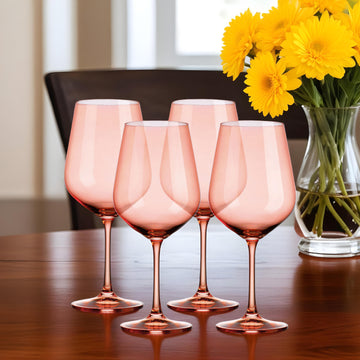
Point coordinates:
[(352, 21), (268, 85), (319, 47), (278, 21), (332, 6), (238, 40)]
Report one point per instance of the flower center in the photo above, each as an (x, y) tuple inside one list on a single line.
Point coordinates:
[(267, 83), (280, 25), (314, 53), (273, 83), (317, 46)]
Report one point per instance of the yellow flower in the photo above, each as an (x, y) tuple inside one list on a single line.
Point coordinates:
[(268, 85), (352, 21), (319, 47), (332, 6), (238, 40), (278, 21)]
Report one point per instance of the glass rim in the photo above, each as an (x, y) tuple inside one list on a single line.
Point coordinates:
[(252, 123), (106, 102), (202, 102), (156, 123)]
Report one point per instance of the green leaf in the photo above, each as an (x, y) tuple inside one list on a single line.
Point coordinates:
[(347, 86)]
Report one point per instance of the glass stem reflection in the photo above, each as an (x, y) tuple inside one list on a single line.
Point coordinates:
[(156, 245), (252, 243), (107, 221), (203, 223)]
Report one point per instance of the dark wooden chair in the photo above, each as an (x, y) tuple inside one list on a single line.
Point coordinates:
[(155, 90)]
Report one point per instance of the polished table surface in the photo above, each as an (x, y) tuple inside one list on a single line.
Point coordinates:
[(40, 274)]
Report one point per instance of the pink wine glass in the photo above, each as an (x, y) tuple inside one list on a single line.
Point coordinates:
[(90, 169), (252, 190), (156, 192), (204, 117)]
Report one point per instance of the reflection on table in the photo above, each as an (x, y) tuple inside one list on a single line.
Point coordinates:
[(40, 274)]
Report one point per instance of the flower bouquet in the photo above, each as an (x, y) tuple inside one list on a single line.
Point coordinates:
[(307, 52)]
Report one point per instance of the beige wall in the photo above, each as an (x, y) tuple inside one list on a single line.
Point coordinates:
[(94, 34), (22, 88), (20, 99)]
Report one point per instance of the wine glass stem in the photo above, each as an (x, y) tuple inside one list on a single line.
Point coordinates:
[(156, 245), (107, 221), (252, 242), (203, 223)]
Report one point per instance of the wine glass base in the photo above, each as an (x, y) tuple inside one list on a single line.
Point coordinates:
[(156, 325), (202, 303), (107, 303), (251, 324)]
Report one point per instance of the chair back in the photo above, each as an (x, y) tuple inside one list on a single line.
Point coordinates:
[(155, 90)]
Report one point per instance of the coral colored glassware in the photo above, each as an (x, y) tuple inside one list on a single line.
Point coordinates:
[(156, 192), (252, 190), (204, 117), (90, 169)]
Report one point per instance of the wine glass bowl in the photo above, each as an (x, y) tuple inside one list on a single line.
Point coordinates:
[(90, 169), (156, 192), (252, 190), (204, 117)]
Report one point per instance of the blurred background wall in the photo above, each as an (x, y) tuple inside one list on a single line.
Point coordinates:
[(21, 66), (36, 37), (40, 36)]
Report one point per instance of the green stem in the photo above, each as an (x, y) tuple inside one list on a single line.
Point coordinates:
[(341, 182), (337, 217), (319, 218), (330, 131), (304, 199), (343, 203), (357, 202)]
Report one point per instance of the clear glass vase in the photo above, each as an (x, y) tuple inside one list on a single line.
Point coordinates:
[(327, 210)]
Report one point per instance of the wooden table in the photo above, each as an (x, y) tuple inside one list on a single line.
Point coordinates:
[(40, 274)]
